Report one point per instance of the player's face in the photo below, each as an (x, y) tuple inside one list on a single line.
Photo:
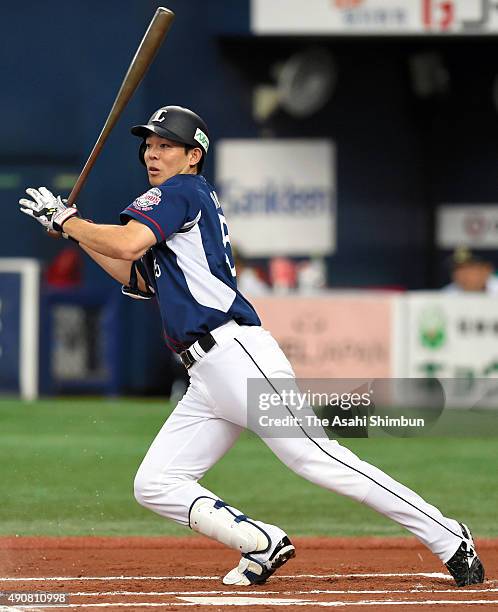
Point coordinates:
[(165, 158)]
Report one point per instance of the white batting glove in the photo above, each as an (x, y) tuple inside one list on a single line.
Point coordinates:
[(47, 209)]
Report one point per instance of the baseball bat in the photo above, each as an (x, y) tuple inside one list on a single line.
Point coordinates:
[(152, 40)]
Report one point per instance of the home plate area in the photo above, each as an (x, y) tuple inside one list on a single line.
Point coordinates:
[(177, 573)]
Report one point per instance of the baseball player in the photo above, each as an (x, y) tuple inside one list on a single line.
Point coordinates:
[(173, 245)]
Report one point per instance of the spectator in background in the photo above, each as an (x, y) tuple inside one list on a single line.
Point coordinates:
[(312, 275), (249, 281), (283, 275), (471, 273), (65, 270)]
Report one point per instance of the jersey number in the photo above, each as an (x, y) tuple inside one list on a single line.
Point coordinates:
[(227, 245), (157, 269), (225, 236)]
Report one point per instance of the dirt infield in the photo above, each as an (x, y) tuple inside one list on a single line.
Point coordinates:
[(175, 573)]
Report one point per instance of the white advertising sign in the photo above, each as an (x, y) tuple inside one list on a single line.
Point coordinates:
[(475, 226), (278, 195), (374, 16), (452, 338)]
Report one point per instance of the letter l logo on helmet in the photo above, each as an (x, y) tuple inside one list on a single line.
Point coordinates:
[(159, 116)]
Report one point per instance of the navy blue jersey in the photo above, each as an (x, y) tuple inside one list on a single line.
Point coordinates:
[(191, 267)]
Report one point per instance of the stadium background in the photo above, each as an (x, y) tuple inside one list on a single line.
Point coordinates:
[(68, 464)]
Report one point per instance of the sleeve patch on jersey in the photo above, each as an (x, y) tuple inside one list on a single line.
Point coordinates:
[(148, 200)]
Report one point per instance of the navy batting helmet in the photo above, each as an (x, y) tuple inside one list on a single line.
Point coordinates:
[(178, 124)]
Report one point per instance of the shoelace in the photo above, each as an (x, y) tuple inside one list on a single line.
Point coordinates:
[(469, 553)]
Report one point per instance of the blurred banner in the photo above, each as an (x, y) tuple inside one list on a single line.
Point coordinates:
[(412, 335), (340, 336), (19, 326), (374, 17), (451, 336), (280, 195), (472, 225), (80, 341), (331, 335)]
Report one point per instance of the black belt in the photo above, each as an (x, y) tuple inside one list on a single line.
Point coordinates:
[(191, 355)]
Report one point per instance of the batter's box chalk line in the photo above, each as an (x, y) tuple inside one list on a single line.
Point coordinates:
[(252, 601), (290, 593), (276, 577)]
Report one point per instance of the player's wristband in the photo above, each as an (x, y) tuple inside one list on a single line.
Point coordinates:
[(61, 217)]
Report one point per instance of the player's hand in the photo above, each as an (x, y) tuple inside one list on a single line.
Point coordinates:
[(46, 208)]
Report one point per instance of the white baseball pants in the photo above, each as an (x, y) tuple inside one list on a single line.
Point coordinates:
[(210, 417)]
